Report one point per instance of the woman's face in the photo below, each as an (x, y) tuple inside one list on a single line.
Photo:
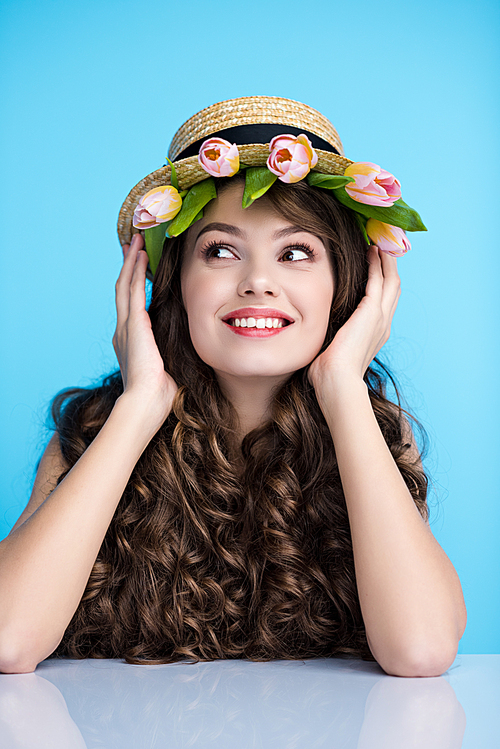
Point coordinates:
[(236, 259)]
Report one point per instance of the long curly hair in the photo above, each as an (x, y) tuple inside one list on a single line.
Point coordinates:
[(202, 561)]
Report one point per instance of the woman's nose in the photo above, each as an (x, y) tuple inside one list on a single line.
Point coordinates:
[(258, 279)]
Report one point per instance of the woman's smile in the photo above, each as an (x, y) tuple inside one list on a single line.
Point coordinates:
[(260, 328), (257, 322)]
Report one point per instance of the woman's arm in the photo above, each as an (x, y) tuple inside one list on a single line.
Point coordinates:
[(410, 595), (46, 560)]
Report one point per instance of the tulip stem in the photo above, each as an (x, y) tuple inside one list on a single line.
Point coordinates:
[(173, 175)]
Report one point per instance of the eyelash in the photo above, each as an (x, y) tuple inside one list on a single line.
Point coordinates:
[(297, 246)]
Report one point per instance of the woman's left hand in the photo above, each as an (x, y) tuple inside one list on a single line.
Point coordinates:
[(359, 340)]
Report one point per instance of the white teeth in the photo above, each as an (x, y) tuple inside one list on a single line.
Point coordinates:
[(260, 322)]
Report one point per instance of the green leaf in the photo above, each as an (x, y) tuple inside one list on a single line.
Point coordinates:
[(328, 181), (258, 179), (243, 166), (399, 214), (361, 222), (173, 175), (196, 199), (154, 238)]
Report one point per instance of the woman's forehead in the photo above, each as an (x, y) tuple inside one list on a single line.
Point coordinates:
[(227, 210), (229, 203)]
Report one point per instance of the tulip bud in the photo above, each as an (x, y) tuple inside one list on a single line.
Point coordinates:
[(291, 157), (389, 239), (157, 206), (219, 158), (372, 185)]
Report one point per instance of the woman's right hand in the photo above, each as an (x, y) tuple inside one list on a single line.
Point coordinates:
[(143, 372)]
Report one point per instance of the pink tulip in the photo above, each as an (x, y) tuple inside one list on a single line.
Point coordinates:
[(292, 157), (219, 158), (372, 185), (388, 238), (156, 206)]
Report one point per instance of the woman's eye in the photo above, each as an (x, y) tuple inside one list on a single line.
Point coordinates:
[(217, 248), (304, 251)]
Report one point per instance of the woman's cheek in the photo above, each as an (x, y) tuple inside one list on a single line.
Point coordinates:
[(319, 298)]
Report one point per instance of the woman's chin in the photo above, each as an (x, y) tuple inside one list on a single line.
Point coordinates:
[(254, 372)]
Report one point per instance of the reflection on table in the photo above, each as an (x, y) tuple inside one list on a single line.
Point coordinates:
[(68, 704)]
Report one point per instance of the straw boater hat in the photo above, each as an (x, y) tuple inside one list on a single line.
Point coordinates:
[(252, 122)]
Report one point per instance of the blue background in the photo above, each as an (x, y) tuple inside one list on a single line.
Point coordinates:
[(93, 93)]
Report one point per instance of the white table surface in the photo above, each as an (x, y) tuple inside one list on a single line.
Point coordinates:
[(68, 704)]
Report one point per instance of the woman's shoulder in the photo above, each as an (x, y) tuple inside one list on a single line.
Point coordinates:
[(85, 407), (77, 414), (51, 466)]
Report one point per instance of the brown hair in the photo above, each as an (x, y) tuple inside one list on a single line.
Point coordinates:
[(199, 561)]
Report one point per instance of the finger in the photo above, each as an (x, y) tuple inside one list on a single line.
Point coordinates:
[(375, 282), (137, 237), (389, 266), (122, 287), (138, 284), (392, 284)]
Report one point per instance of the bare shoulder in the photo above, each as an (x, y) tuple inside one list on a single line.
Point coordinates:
[(51, 466)]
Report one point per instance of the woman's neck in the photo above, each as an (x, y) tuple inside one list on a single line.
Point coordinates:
[(251, 397)]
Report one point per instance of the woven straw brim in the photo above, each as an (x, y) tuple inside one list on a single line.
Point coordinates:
[(248, 110), (189, 172)]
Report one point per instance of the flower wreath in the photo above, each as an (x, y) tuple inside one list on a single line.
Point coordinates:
[(373, 194)]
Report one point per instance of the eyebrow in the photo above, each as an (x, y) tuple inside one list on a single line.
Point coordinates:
[(237, 232)]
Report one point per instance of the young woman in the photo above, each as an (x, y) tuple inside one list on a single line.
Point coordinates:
[(242, 487)]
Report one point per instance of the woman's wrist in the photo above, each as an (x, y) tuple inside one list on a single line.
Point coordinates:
[(141, 413), (338, 386)]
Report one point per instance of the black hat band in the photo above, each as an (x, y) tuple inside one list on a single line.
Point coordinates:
[(258, 133)]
